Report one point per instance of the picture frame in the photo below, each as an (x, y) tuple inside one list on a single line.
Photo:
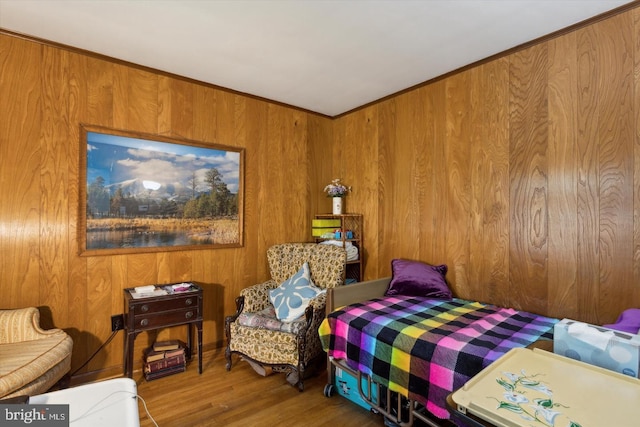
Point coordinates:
[(150, 193)]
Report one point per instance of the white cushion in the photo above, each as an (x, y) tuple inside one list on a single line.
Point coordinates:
[(292, 297)]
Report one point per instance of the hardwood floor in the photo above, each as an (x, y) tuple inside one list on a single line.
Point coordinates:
[(242, 398)]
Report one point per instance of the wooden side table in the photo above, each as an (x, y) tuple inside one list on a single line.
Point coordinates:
[(158, 312)]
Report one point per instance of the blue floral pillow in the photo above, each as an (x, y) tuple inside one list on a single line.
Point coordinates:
[(292, 297)]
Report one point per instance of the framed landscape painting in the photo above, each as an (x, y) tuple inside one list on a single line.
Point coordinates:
[(149, 193)]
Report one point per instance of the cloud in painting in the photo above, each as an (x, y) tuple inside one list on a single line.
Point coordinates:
[(120, 159)]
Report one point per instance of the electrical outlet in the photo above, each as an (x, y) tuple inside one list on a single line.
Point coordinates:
[(117, 322)]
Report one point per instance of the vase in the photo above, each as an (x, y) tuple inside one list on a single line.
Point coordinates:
[(337, 205)]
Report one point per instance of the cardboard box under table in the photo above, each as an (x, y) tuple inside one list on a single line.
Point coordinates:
[(535, 387), (614, 350)]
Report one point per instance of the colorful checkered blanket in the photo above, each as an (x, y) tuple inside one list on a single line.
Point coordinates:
[(426, 348)]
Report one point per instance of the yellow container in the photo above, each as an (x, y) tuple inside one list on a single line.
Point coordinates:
[(323, 223), (318, 232)]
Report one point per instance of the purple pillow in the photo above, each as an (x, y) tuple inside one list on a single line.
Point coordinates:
[(413, 278), (628, 321)]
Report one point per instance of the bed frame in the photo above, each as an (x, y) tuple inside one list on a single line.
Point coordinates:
[(356, 292), (399, 410)]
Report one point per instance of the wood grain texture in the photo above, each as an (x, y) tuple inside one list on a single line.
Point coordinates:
[(458, 137), (563, 174), (615, 138), (636, 155), (54, 179), (528, 174), (47, 93), (349, 167), (20, 173), (495, 194), (587, 151), (528, 199)]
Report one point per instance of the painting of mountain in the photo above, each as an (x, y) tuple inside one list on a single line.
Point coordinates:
[(152, 193)]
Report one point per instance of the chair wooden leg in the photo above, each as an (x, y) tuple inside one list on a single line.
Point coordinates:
[(227, 356)]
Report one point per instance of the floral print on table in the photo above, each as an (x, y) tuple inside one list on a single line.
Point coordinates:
[(532, 399)]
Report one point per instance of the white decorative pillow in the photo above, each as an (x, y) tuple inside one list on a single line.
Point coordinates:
[(292, 297)]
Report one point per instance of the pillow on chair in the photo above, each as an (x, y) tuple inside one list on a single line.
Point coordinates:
[(292, 297)]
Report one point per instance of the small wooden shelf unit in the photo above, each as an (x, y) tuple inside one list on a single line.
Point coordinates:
[(353, 223)]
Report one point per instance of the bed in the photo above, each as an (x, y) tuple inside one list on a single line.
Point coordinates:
[(416, 350)]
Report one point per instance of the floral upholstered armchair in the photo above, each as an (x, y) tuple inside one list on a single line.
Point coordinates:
[(266, 330)]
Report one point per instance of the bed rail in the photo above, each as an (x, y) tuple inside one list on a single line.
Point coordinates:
[(356, 292), (397, 410)]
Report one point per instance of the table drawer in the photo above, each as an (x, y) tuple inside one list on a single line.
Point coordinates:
[(166, 318), (148, 307)]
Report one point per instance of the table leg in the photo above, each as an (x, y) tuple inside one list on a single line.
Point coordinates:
[(128, 354), (189, 341), (199, 325)]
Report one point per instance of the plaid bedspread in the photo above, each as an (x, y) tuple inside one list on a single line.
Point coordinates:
[(426, 348)]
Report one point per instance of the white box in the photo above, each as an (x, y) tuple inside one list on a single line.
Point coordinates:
[(599, 346), (108, 403)]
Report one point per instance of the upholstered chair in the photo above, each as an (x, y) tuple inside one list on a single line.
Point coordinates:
[(32, 359), (255, 331)]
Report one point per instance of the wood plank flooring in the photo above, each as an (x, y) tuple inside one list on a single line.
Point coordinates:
[(242, 398)]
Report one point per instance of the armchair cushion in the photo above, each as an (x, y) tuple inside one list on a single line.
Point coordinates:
[(267, 319), (32, 360), (292, 297), (256, 297)]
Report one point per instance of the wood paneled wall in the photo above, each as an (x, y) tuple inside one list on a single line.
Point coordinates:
[(519, 174), (47, 92), (522, 174)]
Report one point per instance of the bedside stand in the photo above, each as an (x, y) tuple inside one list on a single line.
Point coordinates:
[(158, 312)]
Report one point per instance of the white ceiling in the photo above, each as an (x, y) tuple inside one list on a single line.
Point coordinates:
[(327, 56)]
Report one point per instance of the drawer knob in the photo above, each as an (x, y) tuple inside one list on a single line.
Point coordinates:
[(188, 314), (188, 301), (144, 308), (144, 322)]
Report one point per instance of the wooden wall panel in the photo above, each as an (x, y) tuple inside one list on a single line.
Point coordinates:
[(389, 232), (528, 174), (80, 106), (520, 171), (20, 181), (636, 156), (587, 152), (423, 171), (615, 137), (47, 93), (436, 194), (54, 179), (459, 132), (348, 166), (563, 171), (492, 280)]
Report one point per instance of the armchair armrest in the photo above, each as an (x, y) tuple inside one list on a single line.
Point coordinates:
[(256, 297), (315, 314), (319, 303), (22, 324)]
